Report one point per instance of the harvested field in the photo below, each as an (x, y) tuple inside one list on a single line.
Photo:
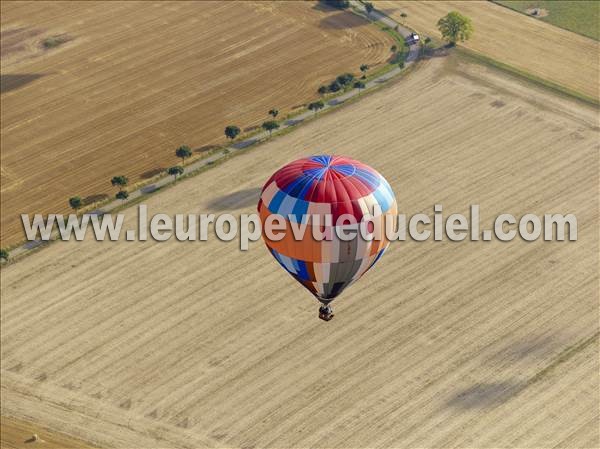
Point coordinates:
[(551, 53), (443, 344), (581, 17), (91, 90), (17, 434)]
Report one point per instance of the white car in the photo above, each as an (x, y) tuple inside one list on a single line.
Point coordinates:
[(413, 38)]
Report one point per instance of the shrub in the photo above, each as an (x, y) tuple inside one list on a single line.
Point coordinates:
[(334, 86), (183, 152), (175, 171), (345, 78), (316, 106), (75, 202), (270, 126), (55, 41), (119, 181), (398, 58), (232, 131)]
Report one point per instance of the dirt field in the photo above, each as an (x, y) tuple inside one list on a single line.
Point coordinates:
[(17, 434), (137, 80), (443, 344), (526, 43)]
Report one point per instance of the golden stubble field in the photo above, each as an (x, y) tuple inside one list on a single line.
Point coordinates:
[(470, 344), (526, 43), (139, 79), (17, 434)]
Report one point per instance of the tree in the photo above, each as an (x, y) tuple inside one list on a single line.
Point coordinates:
[(122, 195), (183, 152), (274, 113), (403, 15), (119, 181), (316, 106), (334, 86), (455, 27), (75, 202), (322, 90), (359, 85), (270, 126), (4, 254), (393, 48), (175, 171), (401, 65), (369, 7), (364, 68), (232, 131), (345, 79)]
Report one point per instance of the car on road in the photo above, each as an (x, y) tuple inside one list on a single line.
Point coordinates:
[(413, 38)]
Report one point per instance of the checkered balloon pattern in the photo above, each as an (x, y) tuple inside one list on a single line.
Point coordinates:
[(304, 192)]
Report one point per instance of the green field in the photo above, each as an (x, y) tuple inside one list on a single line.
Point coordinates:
[(581, 17)]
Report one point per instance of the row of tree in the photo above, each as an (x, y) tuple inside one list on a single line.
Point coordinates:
[(344, 80), (453, 27), (231, 132), (76, 202), (183, 152), (336, 85)]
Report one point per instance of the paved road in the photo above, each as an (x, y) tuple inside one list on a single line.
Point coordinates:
[(413, 53), (237, 146)]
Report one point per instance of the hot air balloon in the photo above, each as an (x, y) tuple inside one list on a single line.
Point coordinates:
[(304, 192)]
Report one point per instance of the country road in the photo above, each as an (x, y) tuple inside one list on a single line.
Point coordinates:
[(375, 15)]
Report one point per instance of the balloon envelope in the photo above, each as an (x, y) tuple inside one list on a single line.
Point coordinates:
[(304, 192)]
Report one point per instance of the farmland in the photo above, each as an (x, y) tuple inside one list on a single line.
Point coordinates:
[(17, 434), (528, 44), (90, 91), (443, 344), (581, 17)]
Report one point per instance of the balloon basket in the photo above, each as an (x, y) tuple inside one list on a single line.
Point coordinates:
[(326, 316)]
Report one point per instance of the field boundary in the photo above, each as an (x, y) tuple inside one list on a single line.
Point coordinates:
[(143, 190), (22, 428), (545, 21), (523, 74), (187, 99), (564, 356), (56, 402)]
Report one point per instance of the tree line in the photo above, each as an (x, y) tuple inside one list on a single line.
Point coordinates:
[(453, 27)]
